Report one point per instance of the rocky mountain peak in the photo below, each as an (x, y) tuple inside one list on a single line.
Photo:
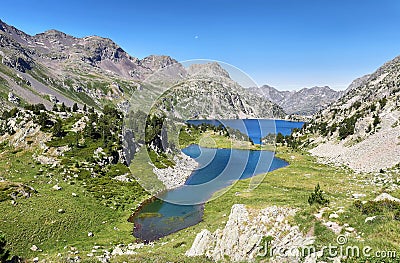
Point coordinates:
[(212, 69), (156, 62), (306, 101), (93, 69), (54, 33), (319, 88)]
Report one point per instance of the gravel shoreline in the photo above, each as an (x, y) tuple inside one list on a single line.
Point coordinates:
[(173, 177)]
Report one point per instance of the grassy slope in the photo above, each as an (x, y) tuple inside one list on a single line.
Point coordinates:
[(102, 204), (36, 220), (213, 139), (289, 186)]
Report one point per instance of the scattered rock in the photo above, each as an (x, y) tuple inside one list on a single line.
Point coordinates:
[(358, 196), (333, 216), (90, 234), (47, 160), (176, 176), (75, 259), (36, 259), (349, 229), (335, 227), (74, 195), (386, 196), (117, 251), (57, 188), (61, 211), (135, 246), (123, 178), (370, 219), (34, 248)]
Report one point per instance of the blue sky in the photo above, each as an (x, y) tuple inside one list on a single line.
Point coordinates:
[(289, 44)]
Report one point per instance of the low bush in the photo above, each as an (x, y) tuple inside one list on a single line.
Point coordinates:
[(317, 197)]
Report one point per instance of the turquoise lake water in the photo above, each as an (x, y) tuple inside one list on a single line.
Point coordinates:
[(218, 168), (255, 128)]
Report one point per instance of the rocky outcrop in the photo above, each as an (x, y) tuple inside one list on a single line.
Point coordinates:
[(176, 176), (13, 98), (248, 232), (21, 131), (385, 196)]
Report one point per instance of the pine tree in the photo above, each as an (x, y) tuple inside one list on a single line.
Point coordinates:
[(57, 129), (317, 197), (55, 107), (85, 108), (63, 108), (75, 107)]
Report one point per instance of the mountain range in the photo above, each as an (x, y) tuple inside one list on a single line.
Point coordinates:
[(53, 67), (306, 101)]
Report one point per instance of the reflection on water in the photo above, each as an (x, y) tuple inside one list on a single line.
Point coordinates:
[(184, 209)]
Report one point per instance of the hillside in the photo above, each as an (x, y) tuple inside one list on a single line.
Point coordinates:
[(53, 67), (306, 101), (361, 129), (212, 94)]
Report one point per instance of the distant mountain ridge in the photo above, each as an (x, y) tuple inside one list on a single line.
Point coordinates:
[(54, 67), (306, 101)]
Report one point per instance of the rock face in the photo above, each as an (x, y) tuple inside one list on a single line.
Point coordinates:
[(361, 130), (306, 101), (242, 237)]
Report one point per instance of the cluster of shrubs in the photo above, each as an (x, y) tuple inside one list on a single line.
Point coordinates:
[(288, 140), (347, 126), (379, 207)]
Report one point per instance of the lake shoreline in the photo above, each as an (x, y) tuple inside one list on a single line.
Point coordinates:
[(174, 177), (141, 225)]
